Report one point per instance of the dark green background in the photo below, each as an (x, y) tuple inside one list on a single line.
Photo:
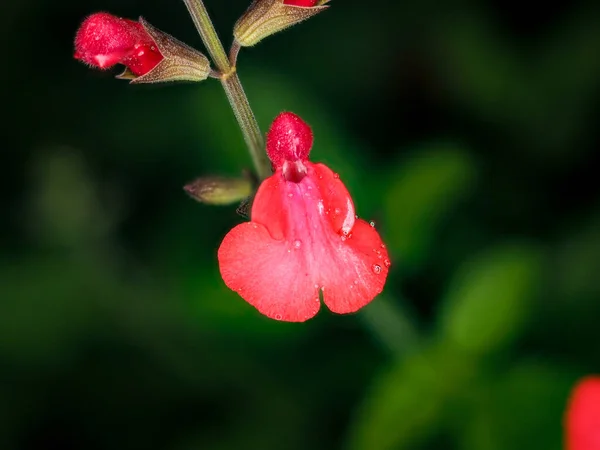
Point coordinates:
[(469, 133)]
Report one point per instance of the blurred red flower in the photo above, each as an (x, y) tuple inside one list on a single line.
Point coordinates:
[(582, 420), (303, 237), (104, 40)]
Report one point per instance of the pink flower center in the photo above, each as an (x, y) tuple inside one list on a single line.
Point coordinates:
[(294, 171), (310, 221)]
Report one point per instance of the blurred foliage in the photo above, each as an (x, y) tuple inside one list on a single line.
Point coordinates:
[(428, 186), (467, 133), (507, 278)]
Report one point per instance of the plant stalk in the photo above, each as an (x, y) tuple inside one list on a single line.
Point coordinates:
[(247, 121), (393, 328), (233, 87)]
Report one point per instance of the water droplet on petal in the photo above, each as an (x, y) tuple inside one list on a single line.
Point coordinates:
[(290, 195), (372, 223), (343, 238), (152, 48), (337, 211), (336, 175), (356, 281), (382, 245), (277, 316), (321, 208), (376, 268), (387, 262), (297, 243)]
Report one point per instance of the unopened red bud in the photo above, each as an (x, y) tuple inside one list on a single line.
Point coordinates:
[(289, 139), (149, 55), (266, 17), (104, 40)]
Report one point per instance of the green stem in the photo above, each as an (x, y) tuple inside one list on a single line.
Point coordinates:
[(232, 85), (245, 117), (392, 325), (208, 34)]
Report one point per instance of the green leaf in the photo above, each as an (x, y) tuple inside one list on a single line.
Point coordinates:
[(409, 402), (521, 409), (423, 191), (490, 298)]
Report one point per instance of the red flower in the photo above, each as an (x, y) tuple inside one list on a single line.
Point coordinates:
[(583, 416), (104, 40), (306, 3), (303, 237)]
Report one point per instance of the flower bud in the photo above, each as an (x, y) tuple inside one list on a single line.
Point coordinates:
[(289, 139), (180, 62), (149, 55), (266, 17), (104, 40), (219, 190)]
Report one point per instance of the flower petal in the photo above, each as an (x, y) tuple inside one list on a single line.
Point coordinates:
[(305, 3), (583, 415), (336, 198), (103, 40), (268, 208), (288, 139), (268, 274), (144, 58), (358, 272), (295, 246)]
